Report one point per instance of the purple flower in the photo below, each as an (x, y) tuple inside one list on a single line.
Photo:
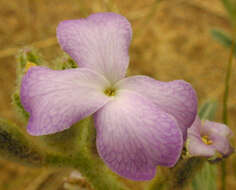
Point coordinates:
[(140, 122), (208, 138)]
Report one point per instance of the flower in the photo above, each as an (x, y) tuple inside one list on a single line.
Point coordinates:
[(208, 138), (140, 122)]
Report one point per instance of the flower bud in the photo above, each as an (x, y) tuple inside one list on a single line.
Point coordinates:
[(208, 139)]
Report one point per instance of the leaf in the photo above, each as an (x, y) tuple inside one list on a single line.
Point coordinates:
[(223, 38), (205, 178), (14, 145), (208, 110)]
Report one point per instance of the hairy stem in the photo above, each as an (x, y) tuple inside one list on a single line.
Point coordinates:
[(90, 165), (87, 161), (15, 145)]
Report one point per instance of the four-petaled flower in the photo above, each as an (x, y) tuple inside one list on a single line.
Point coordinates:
[(208, 138), (140, 122)]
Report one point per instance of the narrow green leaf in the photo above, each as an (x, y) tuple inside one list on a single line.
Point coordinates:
[(223, 38), (205, 178), (208, 110)]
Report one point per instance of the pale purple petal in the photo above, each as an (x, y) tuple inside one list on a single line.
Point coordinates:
[(219, 134), (99, 42), (177, 98), (58, 99), (195, 145), (134, 136), (196, 127)]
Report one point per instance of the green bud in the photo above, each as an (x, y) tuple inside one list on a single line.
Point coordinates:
[(26, 58), (19, 108), (64, 62)]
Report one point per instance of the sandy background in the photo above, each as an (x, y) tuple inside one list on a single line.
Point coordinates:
[(171, 41)]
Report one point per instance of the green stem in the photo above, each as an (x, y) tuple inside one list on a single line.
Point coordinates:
[(99, 177), (90, 165), (184, 171), (19, 147), (160, 181), (225, 111), (87, 161), (177, 177), (226, 91)]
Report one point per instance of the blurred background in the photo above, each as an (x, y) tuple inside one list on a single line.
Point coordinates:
[(171, 40)]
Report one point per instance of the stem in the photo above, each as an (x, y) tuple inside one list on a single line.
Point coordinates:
[(87, 161), (184, 171), (177, 177), (225, 111), (19, 147), (160, 181), (97, 175)]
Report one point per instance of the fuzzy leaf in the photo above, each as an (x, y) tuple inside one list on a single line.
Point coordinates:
[(14, 145)]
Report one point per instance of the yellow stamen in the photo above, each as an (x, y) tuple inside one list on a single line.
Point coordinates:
[(110, 92), (206, 140), (28, 65)]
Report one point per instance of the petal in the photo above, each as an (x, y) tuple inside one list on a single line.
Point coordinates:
[(177, 98), (219, 134), (58, 99), (217, 129), (134, 136), (196, 127), (99, 42), (196, 147)]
